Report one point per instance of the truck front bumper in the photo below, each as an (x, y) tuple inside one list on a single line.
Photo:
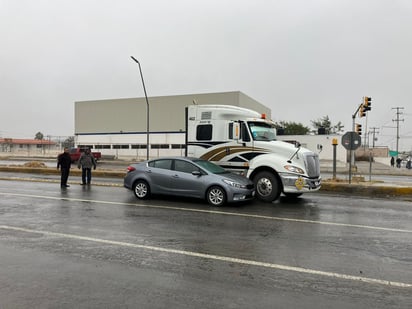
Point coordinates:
[(299, 184)]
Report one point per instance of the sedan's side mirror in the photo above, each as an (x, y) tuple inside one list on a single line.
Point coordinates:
[(196, 173)]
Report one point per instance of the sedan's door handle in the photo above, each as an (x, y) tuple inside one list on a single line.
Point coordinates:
[(175, 176)]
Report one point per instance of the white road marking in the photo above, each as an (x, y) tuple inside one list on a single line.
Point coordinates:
[(378, 228), (214, 257)]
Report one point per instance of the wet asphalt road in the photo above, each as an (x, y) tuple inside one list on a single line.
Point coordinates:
[(98, 247)]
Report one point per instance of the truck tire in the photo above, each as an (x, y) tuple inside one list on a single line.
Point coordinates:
[(267, 186), (141, 189), (216, 196)]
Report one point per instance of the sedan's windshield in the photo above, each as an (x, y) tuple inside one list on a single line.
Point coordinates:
[(210, 167), (262, 131)]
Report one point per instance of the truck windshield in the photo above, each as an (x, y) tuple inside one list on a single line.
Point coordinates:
[(262, 131)]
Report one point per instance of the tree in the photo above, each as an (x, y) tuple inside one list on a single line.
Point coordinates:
[(327, 125), (291, 128), (68, 142), (39, 136), (337, 128)]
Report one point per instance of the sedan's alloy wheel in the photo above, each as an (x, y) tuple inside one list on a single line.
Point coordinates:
[(141, 190), (216, 196)]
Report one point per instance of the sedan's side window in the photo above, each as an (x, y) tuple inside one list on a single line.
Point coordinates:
[(164, 164), (185, 167)]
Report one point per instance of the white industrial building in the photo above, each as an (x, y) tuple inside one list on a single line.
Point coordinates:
[(118, 127)]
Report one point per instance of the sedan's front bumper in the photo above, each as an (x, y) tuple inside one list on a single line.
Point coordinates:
[(239, 195)]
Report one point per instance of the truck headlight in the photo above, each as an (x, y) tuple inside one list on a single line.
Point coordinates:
[(234, 184), (294, 169)]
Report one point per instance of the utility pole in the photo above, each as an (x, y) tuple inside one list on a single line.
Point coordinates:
[(374, 131), (398, 113)]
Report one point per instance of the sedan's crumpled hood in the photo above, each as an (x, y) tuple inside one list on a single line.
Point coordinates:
[(235, 177)]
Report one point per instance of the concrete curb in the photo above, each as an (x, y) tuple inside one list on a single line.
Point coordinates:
[(367, 189)]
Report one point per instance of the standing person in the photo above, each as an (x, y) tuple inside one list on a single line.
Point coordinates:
[(392, 161), (86, 162), (64, 162), (398, 162)]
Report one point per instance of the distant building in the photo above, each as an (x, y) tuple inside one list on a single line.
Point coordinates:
[(27, 146), (320, 144)]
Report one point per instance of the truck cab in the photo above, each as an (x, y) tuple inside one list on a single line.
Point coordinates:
[(243, 141)]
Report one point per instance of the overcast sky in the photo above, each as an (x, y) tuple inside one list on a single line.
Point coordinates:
[(305, 59)]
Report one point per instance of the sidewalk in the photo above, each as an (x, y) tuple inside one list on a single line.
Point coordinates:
[(399, 181)]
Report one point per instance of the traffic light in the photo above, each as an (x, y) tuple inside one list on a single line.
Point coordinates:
[(358, 129), (367, 102), (362, 111)]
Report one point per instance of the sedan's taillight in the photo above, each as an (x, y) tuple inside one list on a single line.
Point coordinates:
[(130, 169)]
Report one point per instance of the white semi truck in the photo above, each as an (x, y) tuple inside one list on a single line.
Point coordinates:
[(243, 141)]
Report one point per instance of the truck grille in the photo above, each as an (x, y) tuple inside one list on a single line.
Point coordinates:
[(312, 164)]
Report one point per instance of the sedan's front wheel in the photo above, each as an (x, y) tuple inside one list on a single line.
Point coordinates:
[(141, 189), (216, 196)]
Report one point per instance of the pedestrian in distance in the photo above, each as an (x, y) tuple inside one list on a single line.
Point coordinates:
[(398, 162), (392, 161), (64, 162), (86, 162)]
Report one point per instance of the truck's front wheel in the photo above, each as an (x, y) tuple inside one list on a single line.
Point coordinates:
[(267, 186)]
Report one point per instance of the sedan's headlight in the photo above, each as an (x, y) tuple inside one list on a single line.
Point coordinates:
[(234, 184), (294, 169)]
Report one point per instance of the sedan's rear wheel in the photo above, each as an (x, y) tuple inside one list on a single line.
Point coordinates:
[(141, 189), (216, 196)]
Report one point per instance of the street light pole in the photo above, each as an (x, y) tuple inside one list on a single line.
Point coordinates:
[(147, 110)]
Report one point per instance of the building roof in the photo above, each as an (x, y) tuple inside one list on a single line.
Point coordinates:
[(22, 141)]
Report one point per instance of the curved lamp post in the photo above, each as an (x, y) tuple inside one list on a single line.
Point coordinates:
[(147, 110)]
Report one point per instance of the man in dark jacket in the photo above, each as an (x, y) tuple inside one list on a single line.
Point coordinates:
[(64, 163), (86, 162)]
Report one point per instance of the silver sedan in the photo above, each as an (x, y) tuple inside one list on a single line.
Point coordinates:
[(190, 177)]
